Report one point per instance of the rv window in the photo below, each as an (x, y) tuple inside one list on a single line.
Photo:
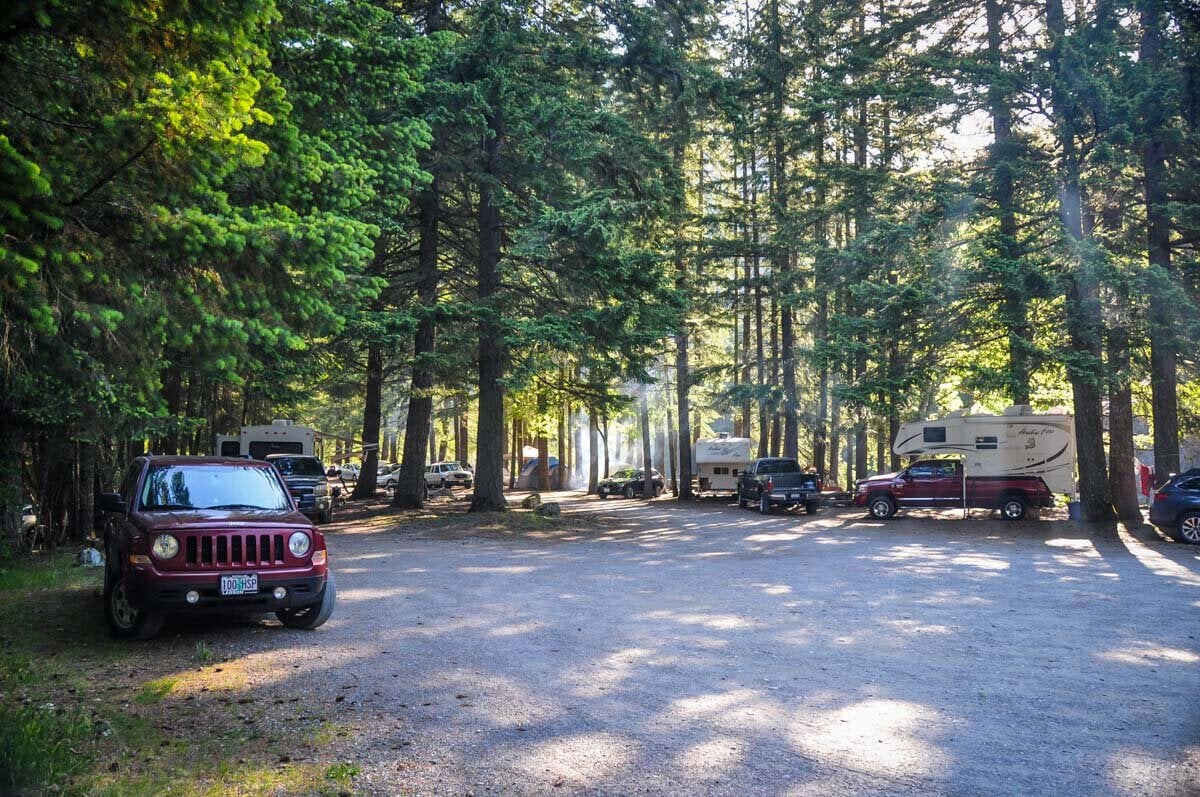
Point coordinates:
[(935, 434), (735, 471), (231, 448), (986, 443), (260, 448)]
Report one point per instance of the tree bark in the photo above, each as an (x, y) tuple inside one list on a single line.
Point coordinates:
[(1083, 318), (1121, 454), (671, 458), (1002, 162), (489, 471), (1164, 383), (418, 429), (593, 453), (647, 460), (365, 486)]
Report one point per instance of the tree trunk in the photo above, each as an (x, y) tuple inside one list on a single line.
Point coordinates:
[(593, 453), (560, 475), (1163, 344), (647, 460), (835, 420), (1083, 319), (671, 458), (368, 476), (1003, 157), (418, 429), (1121, 455), (489, 471)]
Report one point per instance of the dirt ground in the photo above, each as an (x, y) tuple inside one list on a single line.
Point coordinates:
[(684, 649)]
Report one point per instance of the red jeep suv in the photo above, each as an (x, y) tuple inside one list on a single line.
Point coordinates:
[(200, 534)]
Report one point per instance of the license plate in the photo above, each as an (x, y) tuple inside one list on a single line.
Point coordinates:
[(239, 585), (794, 496)]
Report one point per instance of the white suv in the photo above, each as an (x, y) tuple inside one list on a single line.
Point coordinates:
[(448, 474)]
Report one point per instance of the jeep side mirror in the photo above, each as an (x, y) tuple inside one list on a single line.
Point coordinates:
[(905, 475), (112, 502)]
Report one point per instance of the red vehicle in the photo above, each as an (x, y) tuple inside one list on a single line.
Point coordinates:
[(193, 534), (940, 483)]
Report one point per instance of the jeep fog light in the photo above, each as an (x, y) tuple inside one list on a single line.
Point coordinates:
[(165, 546), (280, 593), (192, 596), (299, 543)]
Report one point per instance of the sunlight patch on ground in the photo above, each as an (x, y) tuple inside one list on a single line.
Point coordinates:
[(1158, 564), (712, 759), (497, 700), (1147, 653), (1133, 770), (507, 570), (879, 736), (516, 629), (981, 561), (717, 622), (367, 594), (773, 589), (778, 536), (914, 627), (579, 760), (609, 672)]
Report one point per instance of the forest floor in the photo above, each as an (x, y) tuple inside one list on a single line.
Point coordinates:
[(648, 646)]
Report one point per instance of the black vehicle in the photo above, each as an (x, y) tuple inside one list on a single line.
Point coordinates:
[(1176, 507), (629, 482), (778, 481), (305, 480)]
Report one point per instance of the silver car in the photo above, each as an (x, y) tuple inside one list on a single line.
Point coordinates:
[(448, 474)]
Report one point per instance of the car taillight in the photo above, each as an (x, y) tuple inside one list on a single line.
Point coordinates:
[(1160, 496), (770, 485)]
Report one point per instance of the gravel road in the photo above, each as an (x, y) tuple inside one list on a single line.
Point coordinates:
[(709, 650)]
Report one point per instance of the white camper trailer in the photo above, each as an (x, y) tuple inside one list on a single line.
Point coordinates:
[(720, 461), (279, 437), (1017, 443)]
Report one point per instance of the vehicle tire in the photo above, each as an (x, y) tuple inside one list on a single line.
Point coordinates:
[(325, 516), (742, 502), (658, 490), (124, 621), (628, 492), (1013, 507), (442, 484), (603, 495), (1188, 529), (764, 504), (881, 507), (811, 508), (314, 614)]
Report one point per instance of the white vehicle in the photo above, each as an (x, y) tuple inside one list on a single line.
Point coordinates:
[(720, 461), (448, 474), (279, 437), (1016, 443)]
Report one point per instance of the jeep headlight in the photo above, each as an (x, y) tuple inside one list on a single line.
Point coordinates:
[(321, 489), (299, 543), (862, 488), (165, 546)]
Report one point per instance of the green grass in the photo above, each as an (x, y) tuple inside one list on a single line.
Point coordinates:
[(154, 691), (341, 773), (40, 747), (46, 572)]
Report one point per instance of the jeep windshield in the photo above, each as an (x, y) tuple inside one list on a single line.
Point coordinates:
[(215, 486)]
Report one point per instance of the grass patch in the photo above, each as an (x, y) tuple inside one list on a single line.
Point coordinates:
[(42, 746), (341, 773), (45, 572), (204, 653), (156, 690)]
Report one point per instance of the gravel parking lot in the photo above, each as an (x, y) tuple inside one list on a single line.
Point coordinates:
[(708, 650)]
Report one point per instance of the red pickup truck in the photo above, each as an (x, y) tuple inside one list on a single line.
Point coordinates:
[(940, 483)]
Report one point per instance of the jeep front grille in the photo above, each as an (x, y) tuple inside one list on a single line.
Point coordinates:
[(233, 549)]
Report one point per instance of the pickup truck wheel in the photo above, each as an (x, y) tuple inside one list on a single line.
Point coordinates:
[(742, 502), (811, 508), (1188, 529), (315, 614), (764, 505), (628, 491), (125, 621), (1013, 507), (881, 507), (325, 516)]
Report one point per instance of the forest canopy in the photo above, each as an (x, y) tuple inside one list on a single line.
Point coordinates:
[(602, 230)]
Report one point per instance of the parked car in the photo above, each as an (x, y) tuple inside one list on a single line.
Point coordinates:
[(448, 474), (629, 482), (940, 483), (347, 471), (305, 480), (28, 518), (1176, 507), (193, 534), (778, 481)]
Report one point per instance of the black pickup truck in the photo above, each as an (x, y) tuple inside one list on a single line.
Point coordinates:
[(778, 481)]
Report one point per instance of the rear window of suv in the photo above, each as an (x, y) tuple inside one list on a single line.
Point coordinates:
[(298, 466), (200, 486)]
